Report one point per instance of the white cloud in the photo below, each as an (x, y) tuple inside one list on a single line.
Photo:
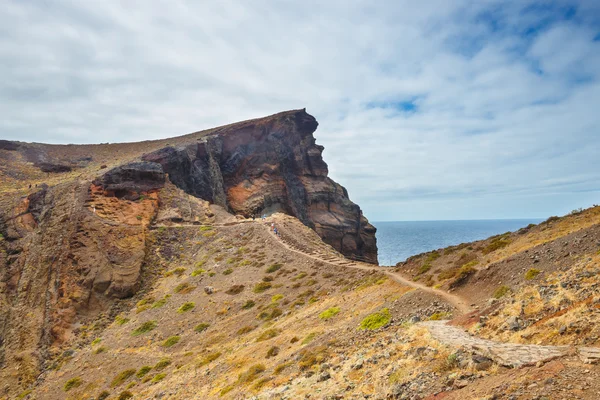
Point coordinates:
[(506, 93)]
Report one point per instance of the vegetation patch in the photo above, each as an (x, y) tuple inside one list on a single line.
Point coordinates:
[(248, 305), (281, 367), (532, 273), (376, 320), (273, 268), (72, 383), (161, 302), (184, 288), (252, 373), (201, 327), (309, 338), (424, 269), (185, 307), (198, 271), (207, 359), (144, 328), (245, 329), (210, 234), (172, 341), (228, 271), (312, 357), (268, 334), (143, 371), (119, 320), (158, 377), (122, 377), (261, 287), (501, 291), (464, 273), (329, 313), (438, 316), (100, 349), (205, 228), (162, 364), (125, 395), (177, 271), (497, 243), (276, 298), (272, 352)]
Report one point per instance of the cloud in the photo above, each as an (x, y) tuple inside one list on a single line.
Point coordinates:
[(427, 111)]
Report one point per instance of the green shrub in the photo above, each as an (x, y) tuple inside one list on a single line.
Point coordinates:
[(501, 291), (122, 377), (201, 327), (376, 320), (228, 271), (268, 334), (185, 307), (276, 298), (143, 371), (72, 383), (96, 341), (245, 329), (210, 234), (158, 377), (177, 271), (145, 327), (279, 369), (103, 395), (261, 287), (309, 338), (434, 255), (226, 390), (424, 269), (205, 228), (532, 273), (438, 316), (249, 304), (172, 341), (119, 320), (272, 352), (207, 359), (162, 364), (312, 357), (252, 373), (198, 271), (274, 267), (161, 302), (125, 395), (100, 350), (496, 244), (329, 313), (184, 288)]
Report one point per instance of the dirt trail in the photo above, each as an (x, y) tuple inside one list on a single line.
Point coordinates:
[(460, 304)]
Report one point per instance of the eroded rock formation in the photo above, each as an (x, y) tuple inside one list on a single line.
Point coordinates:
[(268, 165)]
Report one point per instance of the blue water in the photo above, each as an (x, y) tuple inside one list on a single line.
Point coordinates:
[(399, 240)]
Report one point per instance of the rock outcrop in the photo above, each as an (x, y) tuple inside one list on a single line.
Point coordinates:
[(271, 165)]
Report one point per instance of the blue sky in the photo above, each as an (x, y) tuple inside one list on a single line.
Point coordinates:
[(437, 110)]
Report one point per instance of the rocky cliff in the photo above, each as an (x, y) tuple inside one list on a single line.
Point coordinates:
[(269, 165)]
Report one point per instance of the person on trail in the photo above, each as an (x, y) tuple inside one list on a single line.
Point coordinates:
[(275, 230), (272, 226), (253, 216)]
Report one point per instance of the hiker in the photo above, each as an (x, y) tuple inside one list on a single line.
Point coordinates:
[(272, 226), (275, 230), (253, 216)]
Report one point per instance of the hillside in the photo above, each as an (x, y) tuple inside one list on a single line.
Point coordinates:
[(139, 272)]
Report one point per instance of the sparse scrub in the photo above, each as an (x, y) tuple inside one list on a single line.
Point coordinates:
[(201, 327), (72, 383), (228, 271), (172, 341), (245, 329), (329, 313), (268, 334), (207, 359), (281, 367), (252, 373), (103, 395), (205, 228), (177, 271), (438, 316), (119, 320), (248, 305), (376, 320), (122, 377), (210, 234), (501, 292), (309, 338), (235, 289), (125, 395), (184, 288), (496, 244), (162, 364), (532, 273), (185, 307), (272, 352), (198, 271), (276, 298), (424, 269), (274, 267), (143, 371), (144, 328), (158, 377), (161, 302), (313, 357), (100, 350), (261, 287)]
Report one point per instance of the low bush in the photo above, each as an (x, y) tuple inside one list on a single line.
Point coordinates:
[(198, 271), (125, 395), (119, 320), (272, 352), (184, 288), (158, 377), (252, 373), (172, 341), (144, 328), (273, 268), (497, 244), (501, 291), (245, 329), (248, 305), (261, 287), (276, 298), (268, 334), (143, 371), (201, 327), (424, 269), (235, 289), (532, 273), (313, 357), (72, 383), (281, 367), (228, 271), (122, 377), (309, 338), (161, 302), (185, 307), (376, 320), (177, 271), (207, 359), (162, 364), (329, 313)]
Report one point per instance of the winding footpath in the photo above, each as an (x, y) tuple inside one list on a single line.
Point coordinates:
[(506, 354)]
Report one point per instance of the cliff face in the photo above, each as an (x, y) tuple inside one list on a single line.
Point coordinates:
[(269, 165)]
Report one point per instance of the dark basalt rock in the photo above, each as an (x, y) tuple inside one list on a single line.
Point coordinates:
[(271, 165), (54, 168), (8, 145), (131, 179)]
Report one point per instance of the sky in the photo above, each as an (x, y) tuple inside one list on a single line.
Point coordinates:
[(427, 110)]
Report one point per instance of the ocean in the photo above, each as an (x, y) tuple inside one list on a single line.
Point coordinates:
[(398, 240)]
